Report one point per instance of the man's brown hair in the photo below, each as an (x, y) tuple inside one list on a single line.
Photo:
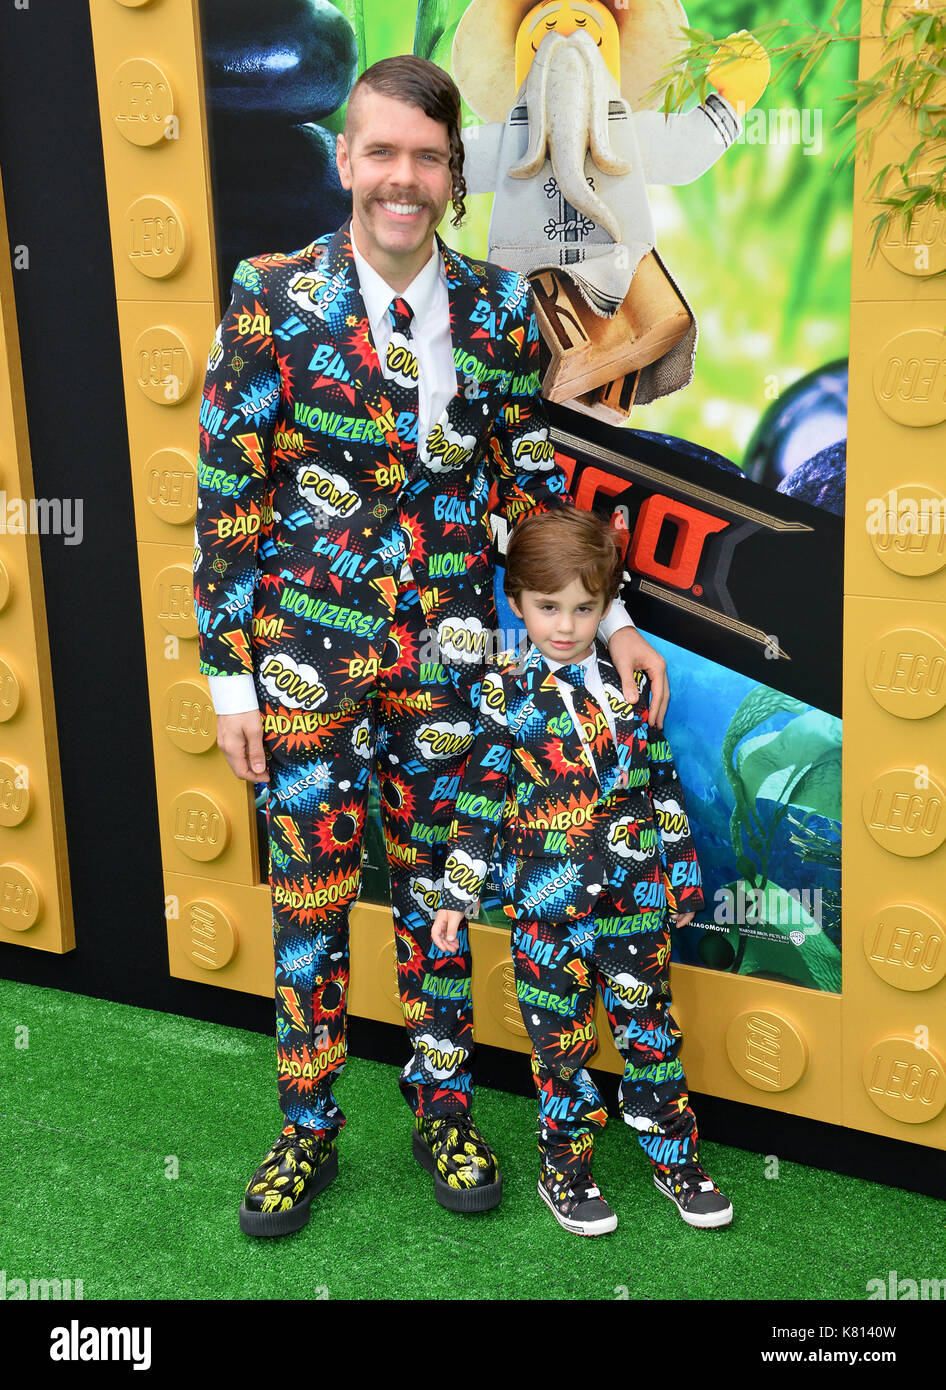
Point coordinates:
[(423, 84), (548, 550)]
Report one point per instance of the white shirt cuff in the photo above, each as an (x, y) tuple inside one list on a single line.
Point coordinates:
[(612, 622), (233, 694)]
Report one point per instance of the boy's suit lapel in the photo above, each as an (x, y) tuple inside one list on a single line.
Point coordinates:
[(628, 729), (526, 676)]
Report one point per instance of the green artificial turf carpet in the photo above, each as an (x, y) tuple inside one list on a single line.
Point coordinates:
[(128, 1138)]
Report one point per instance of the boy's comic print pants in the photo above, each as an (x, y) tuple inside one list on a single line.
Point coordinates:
[(558, 970), (418, 730)]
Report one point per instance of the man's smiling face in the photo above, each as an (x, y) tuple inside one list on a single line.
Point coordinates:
[(396, 162)]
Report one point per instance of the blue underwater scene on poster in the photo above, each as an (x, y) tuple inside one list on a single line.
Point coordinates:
[(722, 237)]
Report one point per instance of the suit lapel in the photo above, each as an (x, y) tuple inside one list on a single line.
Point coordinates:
[(345, 315), (464, 413), (347, 326), (627, 724), (349, 329)]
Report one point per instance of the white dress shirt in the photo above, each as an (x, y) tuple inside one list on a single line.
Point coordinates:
[(429, 299), (430, 331)]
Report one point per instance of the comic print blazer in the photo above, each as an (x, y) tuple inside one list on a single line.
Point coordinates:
[(307, 508), (529, 780)]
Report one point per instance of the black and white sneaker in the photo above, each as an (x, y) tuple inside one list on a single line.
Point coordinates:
[(699, 1201), (576, 1203)]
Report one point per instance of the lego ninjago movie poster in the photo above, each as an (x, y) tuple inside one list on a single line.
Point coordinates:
[(722, 237)]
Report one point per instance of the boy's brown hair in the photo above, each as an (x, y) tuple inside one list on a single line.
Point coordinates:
[(548, 550)]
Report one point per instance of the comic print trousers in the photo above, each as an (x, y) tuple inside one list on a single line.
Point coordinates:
[(559, 969), (417, 729)]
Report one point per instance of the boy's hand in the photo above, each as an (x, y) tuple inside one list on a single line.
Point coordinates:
[(240, 738), (682, 919), (445, 928), (630, 652)]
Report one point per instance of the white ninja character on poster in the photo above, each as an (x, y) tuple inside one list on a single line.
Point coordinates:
[(569, 151)]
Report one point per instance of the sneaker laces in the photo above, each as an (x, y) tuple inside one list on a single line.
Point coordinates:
[(580, 1188), (584, 1188), (692, 1176), (462, 1121), (286, 1141)]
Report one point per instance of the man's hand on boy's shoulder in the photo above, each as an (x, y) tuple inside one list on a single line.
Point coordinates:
[(629, 650), (642, 704)]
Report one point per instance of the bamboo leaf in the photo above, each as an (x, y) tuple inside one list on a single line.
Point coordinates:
[(921, 33), (813, 59), (698, 36), (879, 178)]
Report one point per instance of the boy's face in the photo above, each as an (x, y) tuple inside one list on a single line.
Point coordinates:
[(562, 625)]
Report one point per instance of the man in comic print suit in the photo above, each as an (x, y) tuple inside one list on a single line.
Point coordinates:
[(369, 401)]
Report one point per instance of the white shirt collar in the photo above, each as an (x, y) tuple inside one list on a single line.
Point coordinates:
[(590, 662), (377, 293)]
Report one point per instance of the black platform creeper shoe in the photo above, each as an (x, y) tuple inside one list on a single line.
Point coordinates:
[(576, 1203), (466, 1175), (280, 1192), (699, 1201)]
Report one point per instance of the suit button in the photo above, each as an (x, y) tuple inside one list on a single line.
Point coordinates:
[(389, 569)]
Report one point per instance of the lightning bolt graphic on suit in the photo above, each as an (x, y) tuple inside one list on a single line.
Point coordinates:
[(291, 831), (580, 972), (291, 1000), (253, 449), (237, 642), (531, 766)]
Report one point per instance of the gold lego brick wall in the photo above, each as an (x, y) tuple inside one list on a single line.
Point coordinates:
[(893, 1006), (870, 1058), (150, 83), (35, 897)]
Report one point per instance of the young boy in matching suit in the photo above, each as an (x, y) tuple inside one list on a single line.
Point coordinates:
[(597, 861)]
